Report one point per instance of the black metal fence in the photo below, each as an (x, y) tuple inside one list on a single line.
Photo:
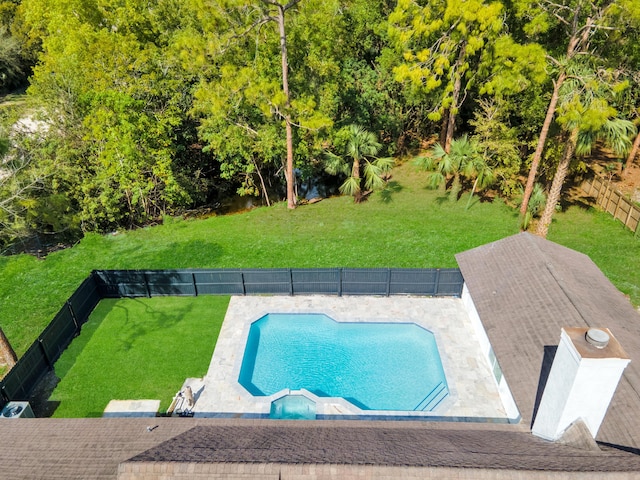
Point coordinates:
[(285, 281), (41, 356), (43, 353)]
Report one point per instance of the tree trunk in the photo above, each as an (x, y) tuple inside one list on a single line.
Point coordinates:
[(632, 154), (537, 156), (473, 190), (556, 185), (291, 196), (355, 173), (578, 43), (453, 110), (7, 354), (264, 187), (443, 128)]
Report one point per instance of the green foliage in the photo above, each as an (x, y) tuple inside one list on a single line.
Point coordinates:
[(463, 160), (534, 207), (498, 143), (360, 152), (117, 105), (449, 47), (155, 110)]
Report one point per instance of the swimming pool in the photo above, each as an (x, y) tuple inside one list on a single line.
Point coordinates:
[(375, 366)]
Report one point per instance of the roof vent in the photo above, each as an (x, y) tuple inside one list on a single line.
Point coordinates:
[(596, 337)]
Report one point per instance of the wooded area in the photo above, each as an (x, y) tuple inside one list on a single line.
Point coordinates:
[(136, 109)]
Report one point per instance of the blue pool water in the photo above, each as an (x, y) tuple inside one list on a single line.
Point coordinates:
[(376, 366)]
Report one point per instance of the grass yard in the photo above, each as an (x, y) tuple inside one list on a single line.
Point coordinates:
[(412, 227), (137, 349)]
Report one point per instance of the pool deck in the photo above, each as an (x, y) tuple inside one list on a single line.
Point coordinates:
[(473, 392)]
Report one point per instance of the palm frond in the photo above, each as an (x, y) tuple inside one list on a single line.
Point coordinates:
[(351, 186), (618, 134), (425, 163), (362, 143), (333, 164), (435, 179), (385, 163), (438, 151), (373, 176)]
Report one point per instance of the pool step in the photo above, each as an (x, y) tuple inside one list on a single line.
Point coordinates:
[(433, 399)]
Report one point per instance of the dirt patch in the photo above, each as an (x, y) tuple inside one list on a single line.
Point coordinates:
[(627, 182)]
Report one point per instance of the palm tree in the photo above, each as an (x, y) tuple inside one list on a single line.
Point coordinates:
[(481, 171), (463, 154), (537, 201), (361, 150), (615, 132)]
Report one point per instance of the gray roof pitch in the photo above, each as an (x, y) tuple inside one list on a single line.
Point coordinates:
[(525, 289)]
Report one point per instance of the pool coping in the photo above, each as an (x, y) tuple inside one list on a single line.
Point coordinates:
[(224, 397)]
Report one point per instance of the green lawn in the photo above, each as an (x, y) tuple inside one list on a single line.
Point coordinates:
[(413, 227), (137, 349)]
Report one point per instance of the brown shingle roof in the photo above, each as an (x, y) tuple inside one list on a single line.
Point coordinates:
[(391, 444), (93, 448), (525, 290)]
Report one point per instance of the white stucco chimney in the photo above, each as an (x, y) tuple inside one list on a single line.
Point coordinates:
[(584, 375)]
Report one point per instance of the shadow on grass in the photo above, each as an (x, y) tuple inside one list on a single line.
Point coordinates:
[(153, 320), (171, 255), (390, 190)]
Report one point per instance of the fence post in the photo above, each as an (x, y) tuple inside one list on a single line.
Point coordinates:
[(626, 220), (244, 289), (73, 316), (388, 282), (291, 282), (436, 287), (44, 353), (615, 210), (598, 193), (195, 285), (340, 282), (146, 284)]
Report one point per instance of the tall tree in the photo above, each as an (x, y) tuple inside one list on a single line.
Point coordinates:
[(246, 97), (440, 41), (449, 46), (281, 10), (569, 29), (586, 117)]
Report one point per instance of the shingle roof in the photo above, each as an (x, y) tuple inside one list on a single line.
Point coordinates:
[(390, 444), (525, 290), (94, 448)]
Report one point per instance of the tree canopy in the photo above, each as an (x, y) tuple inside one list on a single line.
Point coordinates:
[(144, 109)]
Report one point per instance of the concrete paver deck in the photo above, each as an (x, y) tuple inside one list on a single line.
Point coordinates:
[(473, 390)]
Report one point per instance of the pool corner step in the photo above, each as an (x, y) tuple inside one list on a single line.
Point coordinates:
[(433, 399)]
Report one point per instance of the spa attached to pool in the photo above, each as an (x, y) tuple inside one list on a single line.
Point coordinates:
[(375, 366), (324, 357)]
